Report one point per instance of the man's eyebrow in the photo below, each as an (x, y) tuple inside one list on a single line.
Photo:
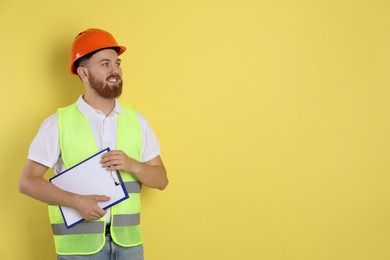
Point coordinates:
[(104, 60)]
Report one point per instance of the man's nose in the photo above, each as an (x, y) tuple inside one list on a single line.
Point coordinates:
[(115, 69)]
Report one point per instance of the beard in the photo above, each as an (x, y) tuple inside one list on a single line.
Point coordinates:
[(103, 89)]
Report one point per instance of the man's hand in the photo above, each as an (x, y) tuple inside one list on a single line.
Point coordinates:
[(88, 208), (151, 173), (118, 160)]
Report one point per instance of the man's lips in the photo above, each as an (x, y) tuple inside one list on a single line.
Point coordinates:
[(113, 79)]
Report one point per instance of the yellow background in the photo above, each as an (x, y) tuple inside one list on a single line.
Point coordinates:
[(273, 118)]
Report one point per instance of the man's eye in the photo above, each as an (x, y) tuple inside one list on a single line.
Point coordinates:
[(105, 64)]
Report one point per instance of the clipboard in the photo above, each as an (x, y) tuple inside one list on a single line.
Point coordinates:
[(88, 178)]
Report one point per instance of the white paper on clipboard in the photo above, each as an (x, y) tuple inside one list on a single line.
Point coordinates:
[(90, 178)]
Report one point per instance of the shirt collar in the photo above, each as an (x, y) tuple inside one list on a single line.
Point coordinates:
[(86, 109)]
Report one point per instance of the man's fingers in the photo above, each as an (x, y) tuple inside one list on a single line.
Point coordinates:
[(102, 198), (96, 214), (100, 213)]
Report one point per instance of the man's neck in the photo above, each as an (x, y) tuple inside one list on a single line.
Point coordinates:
[(104, 105)]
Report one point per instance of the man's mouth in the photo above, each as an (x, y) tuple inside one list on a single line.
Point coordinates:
[(113, 79)]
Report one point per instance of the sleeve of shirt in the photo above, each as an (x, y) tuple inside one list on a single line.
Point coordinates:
[(45, 148), (150, 144)]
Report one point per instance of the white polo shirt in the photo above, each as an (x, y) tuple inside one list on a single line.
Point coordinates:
[(45, 148)]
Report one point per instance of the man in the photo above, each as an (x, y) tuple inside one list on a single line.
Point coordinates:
[(96, 121)]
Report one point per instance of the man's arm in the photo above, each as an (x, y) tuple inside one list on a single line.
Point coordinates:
[(151, 173), (34, 185)]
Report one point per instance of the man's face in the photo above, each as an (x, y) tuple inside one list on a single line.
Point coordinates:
[(105, 73)]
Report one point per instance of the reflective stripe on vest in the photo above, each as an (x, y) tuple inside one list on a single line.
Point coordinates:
[(96, 227), (133, 186), (77, 143)]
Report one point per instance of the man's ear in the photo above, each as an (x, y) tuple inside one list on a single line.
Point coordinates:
[(82, 72)]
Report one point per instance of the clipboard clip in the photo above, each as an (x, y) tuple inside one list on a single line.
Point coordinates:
[(113, 178)]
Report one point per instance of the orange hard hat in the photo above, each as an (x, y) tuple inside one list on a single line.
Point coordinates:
[(89, 41)]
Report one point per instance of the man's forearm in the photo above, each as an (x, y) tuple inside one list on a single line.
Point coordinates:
[(153, 176)]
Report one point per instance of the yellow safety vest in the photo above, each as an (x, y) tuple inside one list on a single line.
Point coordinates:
[(77, 144)]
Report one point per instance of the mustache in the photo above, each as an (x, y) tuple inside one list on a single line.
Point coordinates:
[(114, 76)]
